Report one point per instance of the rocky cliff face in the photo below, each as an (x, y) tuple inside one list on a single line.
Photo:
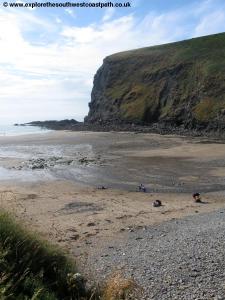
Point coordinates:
[(178, 84)]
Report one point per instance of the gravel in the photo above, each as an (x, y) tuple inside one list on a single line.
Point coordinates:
[(179, 259)]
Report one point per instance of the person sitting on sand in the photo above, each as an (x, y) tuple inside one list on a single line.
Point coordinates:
[(102, 187), (157, 203), (142, 188), (197, 197)]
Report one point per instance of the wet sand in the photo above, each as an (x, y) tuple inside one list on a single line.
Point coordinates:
[(118, 160), (61, 201)]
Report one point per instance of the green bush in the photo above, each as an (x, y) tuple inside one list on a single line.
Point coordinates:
[(33, 269)]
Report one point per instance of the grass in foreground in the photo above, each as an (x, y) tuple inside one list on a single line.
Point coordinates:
[(119, 288), (33, 269)]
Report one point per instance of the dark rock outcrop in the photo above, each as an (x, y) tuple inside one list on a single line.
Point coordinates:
[(53, 124), (175, 85)]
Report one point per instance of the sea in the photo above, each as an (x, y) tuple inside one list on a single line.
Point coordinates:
[(12, 130)]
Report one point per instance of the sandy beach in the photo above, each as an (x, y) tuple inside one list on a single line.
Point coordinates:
[(50, 181)]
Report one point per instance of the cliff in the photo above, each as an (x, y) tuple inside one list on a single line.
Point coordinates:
[(177, 84)]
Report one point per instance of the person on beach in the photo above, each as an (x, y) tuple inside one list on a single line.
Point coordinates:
[(157, 203), (197, 197), (142, 188)]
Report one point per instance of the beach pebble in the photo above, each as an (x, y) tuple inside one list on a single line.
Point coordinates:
[(187, 264)]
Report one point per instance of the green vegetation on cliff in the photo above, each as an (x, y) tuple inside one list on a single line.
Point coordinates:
[(180, 83)]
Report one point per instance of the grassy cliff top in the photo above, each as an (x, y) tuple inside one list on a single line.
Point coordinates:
[(182, 82), (208, 49), (187, 48)]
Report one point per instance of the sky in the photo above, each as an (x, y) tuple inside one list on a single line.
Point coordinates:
[(48, 56)]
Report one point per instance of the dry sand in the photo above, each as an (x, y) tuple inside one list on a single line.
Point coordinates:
[(82, 218)]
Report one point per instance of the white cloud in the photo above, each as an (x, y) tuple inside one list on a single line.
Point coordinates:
[(109, 13), (58, 20), (70, 12), (211, 23), (54, 79)]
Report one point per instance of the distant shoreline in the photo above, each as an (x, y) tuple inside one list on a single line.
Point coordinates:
[(11, 130), (156, 128)]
